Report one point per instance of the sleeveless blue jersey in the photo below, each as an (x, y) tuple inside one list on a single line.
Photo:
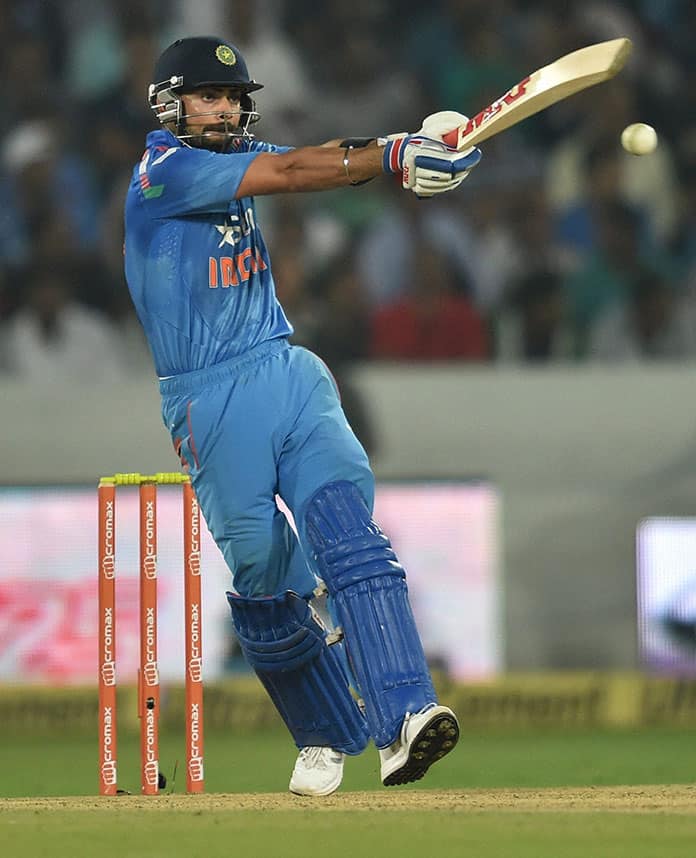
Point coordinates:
[(196, 263)]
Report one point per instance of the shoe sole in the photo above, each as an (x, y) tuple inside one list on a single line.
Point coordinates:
[(315, 794), (318, 794), (434, 741)]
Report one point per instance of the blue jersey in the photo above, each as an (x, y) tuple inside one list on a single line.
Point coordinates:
[(196, 263)]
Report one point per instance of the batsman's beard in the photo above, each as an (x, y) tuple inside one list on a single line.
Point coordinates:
[(218, 138)]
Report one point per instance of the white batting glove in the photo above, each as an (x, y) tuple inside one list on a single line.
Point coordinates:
[(434, 171), (438, 124), (427, 165)]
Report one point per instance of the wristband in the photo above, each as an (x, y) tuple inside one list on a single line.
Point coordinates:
[(391, 163), (393, 155), (356, 142)]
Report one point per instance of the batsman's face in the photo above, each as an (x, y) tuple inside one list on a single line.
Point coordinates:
[(211, 112)]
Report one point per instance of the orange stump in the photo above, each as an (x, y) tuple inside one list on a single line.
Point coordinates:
[(194, 651), (107, 641), (148, 675)]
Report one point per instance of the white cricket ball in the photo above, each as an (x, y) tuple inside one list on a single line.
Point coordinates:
[(639, 138)]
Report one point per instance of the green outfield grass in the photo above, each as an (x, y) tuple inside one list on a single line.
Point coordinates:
[(288, 834), (428, 823), (261, 762)]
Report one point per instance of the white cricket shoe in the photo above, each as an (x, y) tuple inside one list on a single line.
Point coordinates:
[(425, 738), (318, 771)]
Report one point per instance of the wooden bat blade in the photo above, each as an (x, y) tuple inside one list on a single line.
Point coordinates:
[(558, 80)]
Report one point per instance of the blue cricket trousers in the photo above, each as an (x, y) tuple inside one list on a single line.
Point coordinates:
[(267, 422)]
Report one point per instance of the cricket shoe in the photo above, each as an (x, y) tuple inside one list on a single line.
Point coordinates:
[(318, 771), (425, 738)]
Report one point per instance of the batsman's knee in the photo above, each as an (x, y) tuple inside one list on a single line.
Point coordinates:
[(347, 545)]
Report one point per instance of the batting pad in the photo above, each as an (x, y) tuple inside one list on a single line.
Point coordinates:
[(286, 645), (370, 598)]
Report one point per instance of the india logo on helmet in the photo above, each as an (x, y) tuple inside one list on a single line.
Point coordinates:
[(226, 55)]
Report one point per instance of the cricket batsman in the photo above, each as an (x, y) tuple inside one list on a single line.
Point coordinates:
[(252, 416)]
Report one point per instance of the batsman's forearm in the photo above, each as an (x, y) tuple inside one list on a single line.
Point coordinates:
[(317, 167), (310, 168)]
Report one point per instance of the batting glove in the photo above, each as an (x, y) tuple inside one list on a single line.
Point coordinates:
[(438, 124), (427, 165)]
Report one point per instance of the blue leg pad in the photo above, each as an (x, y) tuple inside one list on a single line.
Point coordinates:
[(285, 644), (370, 598)]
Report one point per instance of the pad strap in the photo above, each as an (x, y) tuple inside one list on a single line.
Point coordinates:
[(285, 644)]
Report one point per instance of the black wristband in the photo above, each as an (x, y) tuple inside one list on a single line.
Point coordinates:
[(356, 142)]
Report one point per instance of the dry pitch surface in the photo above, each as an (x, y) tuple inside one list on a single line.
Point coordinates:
[(637, 799)]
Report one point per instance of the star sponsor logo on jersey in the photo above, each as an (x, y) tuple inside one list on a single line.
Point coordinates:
[(236, 228), (237, 268), (231, 234)]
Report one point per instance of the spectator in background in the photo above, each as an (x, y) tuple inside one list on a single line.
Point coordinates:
[(44, 179), (49, 208), (434, 320), (30, 83), (654, 324), (364, 89), (648, 183), (533, 325), (343, 332), (477, 66), (388, 247), (577, 225), (490, 250), (95, 58), (606, 276), (41, 20), (52, 339), (682, 249), (459, 52), (98, 57), (7, 296), (505, 245)]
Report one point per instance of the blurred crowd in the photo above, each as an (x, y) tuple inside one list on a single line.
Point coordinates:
[(559, 247)]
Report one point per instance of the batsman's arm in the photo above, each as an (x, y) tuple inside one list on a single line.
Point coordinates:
[(311, 168), (426, 165)]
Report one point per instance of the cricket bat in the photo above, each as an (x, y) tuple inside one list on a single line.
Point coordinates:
[(542, 88)]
